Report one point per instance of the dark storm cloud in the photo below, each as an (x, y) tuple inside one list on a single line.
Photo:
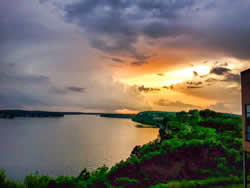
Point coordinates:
[(228, 31), (165, 9), (138, 63), (58, 91), (194, 87), (26, 29), (140, 59), (209, 80), (6, 78), (117, 45), (171, 87), (232, 78), (117, 60), (194, 83), (159, 29), (21, 90), (121, 29), (35, 42), (76, 89), (114, 26), (147, 89), (114, 59), (15, 90), (18, 27), (195, 73), (220, 70), (18, 100), (108, 29), (226, 73)]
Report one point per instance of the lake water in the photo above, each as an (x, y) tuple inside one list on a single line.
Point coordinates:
[(64, 146)]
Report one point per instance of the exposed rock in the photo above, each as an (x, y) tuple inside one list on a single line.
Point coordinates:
[(183, 164)]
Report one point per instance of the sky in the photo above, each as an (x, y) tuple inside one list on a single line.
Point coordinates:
[(123, 56)]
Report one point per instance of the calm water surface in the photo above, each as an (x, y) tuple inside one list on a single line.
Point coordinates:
[(64, 146)]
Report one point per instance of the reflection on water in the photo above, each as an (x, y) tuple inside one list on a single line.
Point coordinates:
[(64, 146)]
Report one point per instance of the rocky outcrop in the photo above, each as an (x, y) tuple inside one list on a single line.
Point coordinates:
[(186, 163)]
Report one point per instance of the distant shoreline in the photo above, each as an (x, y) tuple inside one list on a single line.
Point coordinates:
[(11, 114)]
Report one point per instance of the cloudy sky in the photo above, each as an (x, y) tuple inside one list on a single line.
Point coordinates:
[(123, 55)]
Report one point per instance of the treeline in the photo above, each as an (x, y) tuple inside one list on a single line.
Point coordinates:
[(10, 114), (155, 117), (114, 115)]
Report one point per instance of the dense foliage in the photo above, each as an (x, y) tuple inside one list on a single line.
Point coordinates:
[(151, 117), (208, 182), (202, 149)]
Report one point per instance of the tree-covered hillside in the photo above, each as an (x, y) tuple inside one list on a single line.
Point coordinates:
[(198, 149), (151, 117)]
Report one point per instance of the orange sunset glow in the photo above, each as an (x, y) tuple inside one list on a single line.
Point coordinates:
[(127, 60)]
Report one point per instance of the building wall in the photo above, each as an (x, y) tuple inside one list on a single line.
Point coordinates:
[(245, 88)]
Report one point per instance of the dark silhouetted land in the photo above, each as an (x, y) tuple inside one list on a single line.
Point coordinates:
[(10, 114)]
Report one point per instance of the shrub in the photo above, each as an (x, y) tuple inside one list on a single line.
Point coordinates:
[(126, 182), (5, 182), (212, 181), (37, 181), (98, 178)]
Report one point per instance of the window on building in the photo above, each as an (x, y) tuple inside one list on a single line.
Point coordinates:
[(248, 122)]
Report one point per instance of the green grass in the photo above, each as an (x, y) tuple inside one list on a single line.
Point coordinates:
[(233, 186)]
